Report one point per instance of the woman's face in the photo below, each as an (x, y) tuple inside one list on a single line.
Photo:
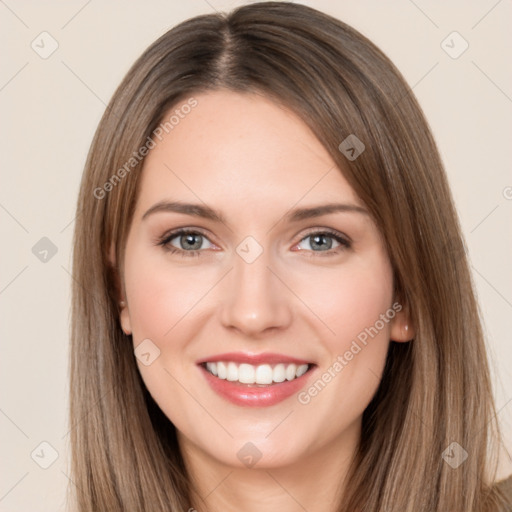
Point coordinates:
[(265, 283)]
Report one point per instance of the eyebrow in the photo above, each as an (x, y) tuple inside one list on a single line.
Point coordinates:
[(298, 214)]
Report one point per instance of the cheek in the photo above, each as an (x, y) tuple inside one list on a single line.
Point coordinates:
[(356, 343), (160, 295), (350, 299), (162, 300)]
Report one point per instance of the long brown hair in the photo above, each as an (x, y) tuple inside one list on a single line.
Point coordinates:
[(435, 390)]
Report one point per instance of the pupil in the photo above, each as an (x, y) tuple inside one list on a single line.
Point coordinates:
[(190, 241), (322, 242)]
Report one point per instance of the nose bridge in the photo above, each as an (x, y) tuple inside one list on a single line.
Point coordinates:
[(255, 300)]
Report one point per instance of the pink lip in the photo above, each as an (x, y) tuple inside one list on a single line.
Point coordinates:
[(254, 395), (255, 359)]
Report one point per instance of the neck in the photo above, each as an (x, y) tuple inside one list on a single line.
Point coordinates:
[(315, 481)]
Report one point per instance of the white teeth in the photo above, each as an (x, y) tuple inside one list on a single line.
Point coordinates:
[(222, 371), (232, 373), (302, 369), (212, 368), (290, 372), (264, 374), (261, 374), (246, 373), (279, 373)]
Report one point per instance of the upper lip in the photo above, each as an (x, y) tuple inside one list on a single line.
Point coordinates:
[(254, 359)]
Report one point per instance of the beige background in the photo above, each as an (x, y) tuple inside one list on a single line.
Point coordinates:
[(51, 107)]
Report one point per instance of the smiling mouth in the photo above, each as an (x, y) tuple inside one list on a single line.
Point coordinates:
[(263, 375)]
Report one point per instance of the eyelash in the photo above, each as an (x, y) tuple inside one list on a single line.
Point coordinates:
[(165, 240)]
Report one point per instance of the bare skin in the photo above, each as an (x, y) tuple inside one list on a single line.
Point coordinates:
[(306, 295)]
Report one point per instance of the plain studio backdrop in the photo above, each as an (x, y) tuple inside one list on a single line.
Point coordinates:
[(61, 64)]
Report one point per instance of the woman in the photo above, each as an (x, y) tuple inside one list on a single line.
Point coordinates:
[(272, 308)]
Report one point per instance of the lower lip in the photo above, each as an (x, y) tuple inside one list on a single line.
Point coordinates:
[(253, 395)]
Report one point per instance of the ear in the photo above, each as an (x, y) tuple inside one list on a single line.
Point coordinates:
[(124, 318), (119, 294), (402, 329)]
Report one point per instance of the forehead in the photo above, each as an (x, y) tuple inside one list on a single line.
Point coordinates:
[(237, 150)]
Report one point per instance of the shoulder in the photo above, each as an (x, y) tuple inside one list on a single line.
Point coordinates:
[(505, 489)]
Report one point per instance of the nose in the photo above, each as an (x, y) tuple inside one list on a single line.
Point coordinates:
[(255, 299)]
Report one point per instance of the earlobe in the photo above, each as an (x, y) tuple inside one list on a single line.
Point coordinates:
[(124, 318), (124, 314), (402, 329)]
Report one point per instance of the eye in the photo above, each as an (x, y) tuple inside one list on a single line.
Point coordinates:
[(324, 241), (188, 242), (185, 242)]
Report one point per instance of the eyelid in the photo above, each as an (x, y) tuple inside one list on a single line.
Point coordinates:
[(328, 231), (172, 233)]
